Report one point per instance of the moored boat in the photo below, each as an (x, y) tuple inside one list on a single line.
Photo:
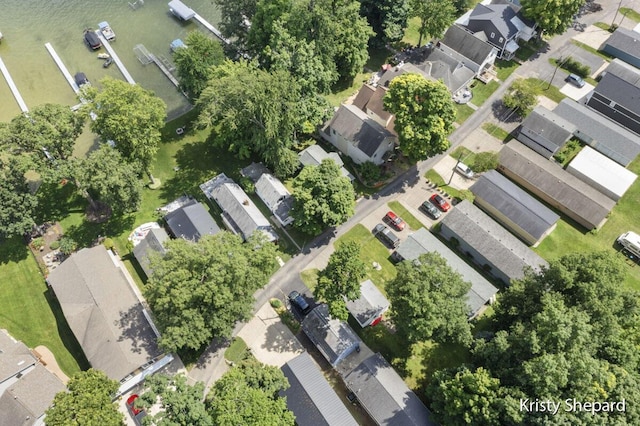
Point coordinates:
[(92, 40), (106, 31)]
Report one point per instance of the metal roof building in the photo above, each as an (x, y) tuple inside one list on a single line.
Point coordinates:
[(617, 99), (191, 221)]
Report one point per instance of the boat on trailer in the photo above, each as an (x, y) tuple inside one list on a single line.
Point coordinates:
[(106, 31)]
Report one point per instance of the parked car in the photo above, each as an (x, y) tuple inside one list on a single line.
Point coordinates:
[(298, 301), (440, 202), (395, 221), (430, 210), (137, 414), (576, 80), (386, 235), (464, 170)]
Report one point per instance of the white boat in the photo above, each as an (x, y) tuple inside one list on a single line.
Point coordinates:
[(103, 56), (106, 31)]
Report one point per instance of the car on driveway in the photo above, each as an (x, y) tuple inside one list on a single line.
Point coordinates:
[(386, 235), (395, 221), (576, 80), (298, 301), (430, 210), (137, 414), (440, 202), (464, 170)]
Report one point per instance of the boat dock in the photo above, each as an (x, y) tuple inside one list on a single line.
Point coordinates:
[(116, 58), (184, 12), (13, 87), (164, 70), (65, 71), (211, 28)]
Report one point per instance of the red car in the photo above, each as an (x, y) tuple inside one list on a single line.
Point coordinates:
[(440, 202), (395, 221), (136, 413)]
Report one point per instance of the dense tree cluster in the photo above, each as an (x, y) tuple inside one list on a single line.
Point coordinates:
[(435, 16), (194, 63), (17, 203), (388, 18), (177, 402)]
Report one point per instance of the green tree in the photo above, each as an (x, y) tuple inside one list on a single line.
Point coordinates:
[(322, 198), (424, 115), (553, 16), (199, 290), (428, 301), (17, 203), (341, 279), (195, 62), (435, 16), (88, 401), (487, 160), (235, 20), (248, 395), (180, 403), (521, 97), (388, 18), (130, 116)]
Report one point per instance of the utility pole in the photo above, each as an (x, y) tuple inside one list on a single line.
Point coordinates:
[(616, 15), (454, 169), (559, 62)]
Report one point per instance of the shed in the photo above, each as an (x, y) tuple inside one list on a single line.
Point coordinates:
[(181, 10), (333, 338), (191, 221), (603, 174), (557, 187), (370, 306), (310, 397), (276, 197), (513, 207), (545, 132), (624, 44), (152, 242)]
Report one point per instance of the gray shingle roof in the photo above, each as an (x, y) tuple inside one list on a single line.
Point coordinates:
[(500, 15), (357, 127), (514, 203), (191, 222), (621, 92), (385, 396), (274, 194), (314, 154), (600, 133), (254, 170), (103, 312), (437, 66), (465, 43), (310, 397), (15, 356), (546, 129), (497, 245), (153, 241), (559, 185), (422, 241), (369, 306), (625, 40), (625, 71)]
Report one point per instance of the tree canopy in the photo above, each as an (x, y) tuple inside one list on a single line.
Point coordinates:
[(428, 301), (199, 290), (521, 97), (17, 203), (194, 64), (553, 16), (435, 16), (388, 18), (87, 402), (322, 198), (424, 115), (180, 403), (341, 278)]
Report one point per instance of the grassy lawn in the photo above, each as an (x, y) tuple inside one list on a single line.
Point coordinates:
[(237, 351), (343, 90), (463, 112), (505, 68), (435, 177), (542, 88), (30, 312), (630, 13), (411, 34), (482, 91), (525, 51), (465, 155), (410, 219), (310, 278), (496, 131), (602, 26)]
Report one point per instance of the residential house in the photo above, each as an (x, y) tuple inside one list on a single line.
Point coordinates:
[(314, 154), (474, 53), (603, 174), (370, 306), (276, 197), (385, 396), (422, 242), (369, 99), (600, 133), (513, 207), (152, 242), (112, 326), (624, 44), (333, 338), (191, 222), (545, 132), (555, 186), (621, 69), (254, 170), (310, 397), (359, 136), (500, 25), (239, 214), (490, 245), (617, 99)]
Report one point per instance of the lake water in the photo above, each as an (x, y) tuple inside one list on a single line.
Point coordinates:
[(28, 24)]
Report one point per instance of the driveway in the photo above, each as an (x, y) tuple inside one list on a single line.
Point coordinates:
[(576, 93)]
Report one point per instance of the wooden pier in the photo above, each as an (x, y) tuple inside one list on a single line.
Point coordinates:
[(211, 28), (115, 58), (13, 87), (60, 64)]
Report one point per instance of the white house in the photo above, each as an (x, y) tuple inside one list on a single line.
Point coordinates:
[(277, 198)]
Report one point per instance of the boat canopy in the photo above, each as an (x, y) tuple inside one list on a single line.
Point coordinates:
[(181, 10), (177, 44), (102, 25)]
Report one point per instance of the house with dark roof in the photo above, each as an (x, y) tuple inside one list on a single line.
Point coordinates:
[(370, 306), (254, 170), (359, 136), (599, 132), (369, 100), (555, 186), (474, 53), (513, 207), (621, 69), (482, 292), (191, 222), (153, 242), (333, 338), (500, 25), (385, 396), (314, 154), (276, 197), (112, 326), (491, 246), (239, 214), (310, 397), (623, 44), (545, 132), (617, 99)]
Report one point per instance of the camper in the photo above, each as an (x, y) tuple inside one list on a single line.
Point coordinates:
[(630, 241)]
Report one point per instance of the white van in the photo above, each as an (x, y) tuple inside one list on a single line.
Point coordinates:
[(631, 242)]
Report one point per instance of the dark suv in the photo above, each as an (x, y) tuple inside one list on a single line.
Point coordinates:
[(298, 301)]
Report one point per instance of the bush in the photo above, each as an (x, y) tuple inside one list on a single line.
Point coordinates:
[(248, 185), (276, 303), (67, 245), (574, 67), (369, 172), (108, 243), (37, 243), (54, 245), (484, 161)]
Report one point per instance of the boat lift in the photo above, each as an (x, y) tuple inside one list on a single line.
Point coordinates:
[(185, 13)]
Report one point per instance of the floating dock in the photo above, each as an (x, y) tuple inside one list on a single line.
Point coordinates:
[(184, 12), (211, 28), (13, 87), (164, 69), (116, 58), (65, 71)]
